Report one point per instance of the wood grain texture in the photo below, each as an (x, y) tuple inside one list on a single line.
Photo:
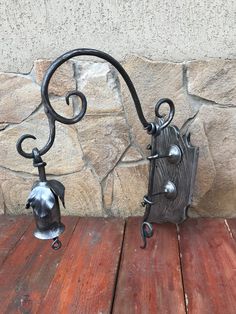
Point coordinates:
[(82, 276), (12, 229), (149, 280), (209, 266), (85, 279), (28, 271), (182, 175)]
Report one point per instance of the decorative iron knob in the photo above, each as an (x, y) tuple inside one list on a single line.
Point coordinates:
[(169, 190), (173, 155)]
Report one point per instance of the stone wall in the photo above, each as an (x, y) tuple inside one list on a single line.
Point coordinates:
[(102, 159), (173, 30)]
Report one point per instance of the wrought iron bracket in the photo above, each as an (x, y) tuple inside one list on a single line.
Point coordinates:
[(172, 161), (173, 165)]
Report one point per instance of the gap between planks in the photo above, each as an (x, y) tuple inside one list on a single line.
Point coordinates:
[(86, 276), (118, 266), (185, 296), (208, 257), (149, 279), (188, 236), (28, 270), (12, 229)]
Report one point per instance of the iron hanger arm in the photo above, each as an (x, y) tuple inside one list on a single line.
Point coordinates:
[(53, 116)]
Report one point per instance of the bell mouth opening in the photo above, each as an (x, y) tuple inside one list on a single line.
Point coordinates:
[(51, 233)]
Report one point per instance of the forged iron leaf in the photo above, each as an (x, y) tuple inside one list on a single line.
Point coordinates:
[(41, 199), (58, 188)]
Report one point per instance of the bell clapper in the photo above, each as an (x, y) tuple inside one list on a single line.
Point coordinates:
[(56, 244)]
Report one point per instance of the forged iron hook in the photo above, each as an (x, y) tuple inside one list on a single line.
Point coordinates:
[(146, 232), (56, 244)]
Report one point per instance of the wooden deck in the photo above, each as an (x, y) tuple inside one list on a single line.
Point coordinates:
[(101, 268)]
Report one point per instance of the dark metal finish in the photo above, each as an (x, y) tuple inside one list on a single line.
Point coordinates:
[(172, 161), (146, 232), (173, 154), (175, 172), (53, 116), (44, 201)]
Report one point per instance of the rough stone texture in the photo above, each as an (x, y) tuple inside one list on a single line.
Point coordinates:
[(99, 83), (15, 188), (108, 191), (214, 131), (153, 81), (213, 80), (82, 197), (64, 157), (163, 30), (2, 205), (206, 171), (130, 185), (3, 126), (132, 154), (19, 96), (101, 159), (103, 141), (62, 80), (61, 107), (83, 194)]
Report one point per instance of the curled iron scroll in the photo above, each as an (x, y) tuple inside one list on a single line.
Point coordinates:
[(53, 116)]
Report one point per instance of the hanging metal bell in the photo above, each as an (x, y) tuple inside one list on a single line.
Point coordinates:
[(45, 204)]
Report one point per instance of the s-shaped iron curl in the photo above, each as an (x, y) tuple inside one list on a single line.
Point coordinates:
[(53, 116)]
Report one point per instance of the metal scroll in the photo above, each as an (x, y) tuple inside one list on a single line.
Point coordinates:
[(172, 161)]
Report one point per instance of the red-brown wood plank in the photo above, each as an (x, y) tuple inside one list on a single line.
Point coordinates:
[(209, 266), (150, 280), (232, 226), (85, 279), (12, 229), (28, 271)]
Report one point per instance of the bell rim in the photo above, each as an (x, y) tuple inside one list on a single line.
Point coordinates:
[(49, 234)]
